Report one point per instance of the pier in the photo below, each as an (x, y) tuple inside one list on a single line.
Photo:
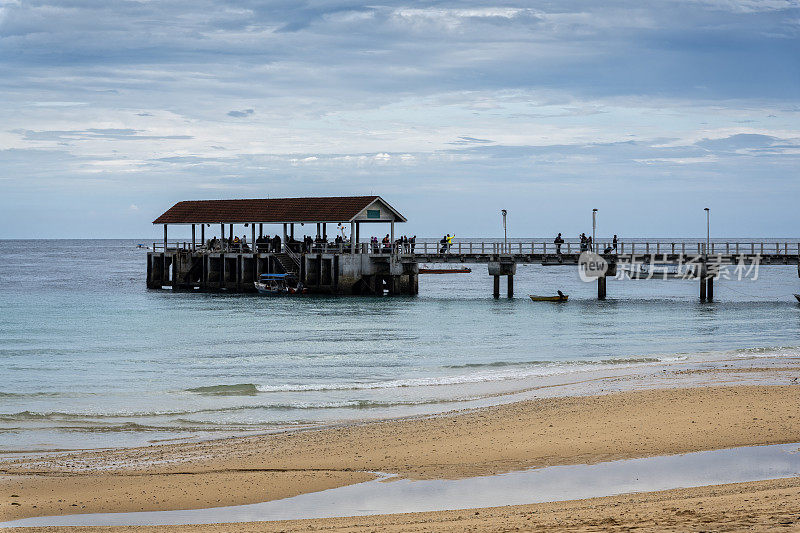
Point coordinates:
[(349, 266)]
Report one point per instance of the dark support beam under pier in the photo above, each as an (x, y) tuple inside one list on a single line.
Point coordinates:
[(703, 286), (710, 289), (510, 286), (601, 288), (496, 292)]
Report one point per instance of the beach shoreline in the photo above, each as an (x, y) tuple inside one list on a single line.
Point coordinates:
[(481, 441)]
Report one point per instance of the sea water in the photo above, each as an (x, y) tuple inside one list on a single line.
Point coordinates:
[(90, 358)]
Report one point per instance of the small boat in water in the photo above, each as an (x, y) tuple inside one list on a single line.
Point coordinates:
[(279, 284), (561, 297), (272, 284)]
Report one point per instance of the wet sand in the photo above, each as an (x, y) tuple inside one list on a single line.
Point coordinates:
[(490, 440), (759, 506)]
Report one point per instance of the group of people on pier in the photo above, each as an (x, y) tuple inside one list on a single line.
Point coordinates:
[(586, 243), (238, 244)]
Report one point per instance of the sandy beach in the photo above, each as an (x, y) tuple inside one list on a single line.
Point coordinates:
[(534, 433)]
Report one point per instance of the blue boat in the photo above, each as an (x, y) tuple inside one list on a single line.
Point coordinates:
[(272, 284)]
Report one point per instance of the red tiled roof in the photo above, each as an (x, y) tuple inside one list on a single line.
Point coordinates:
[(268, 210)]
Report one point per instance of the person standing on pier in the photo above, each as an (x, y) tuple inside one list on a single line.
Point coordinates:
[(614, 242), (412, 242), (558, 241)]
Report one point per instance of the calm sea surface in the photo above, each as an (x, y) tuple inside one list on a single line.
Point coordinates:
[(90, 358)]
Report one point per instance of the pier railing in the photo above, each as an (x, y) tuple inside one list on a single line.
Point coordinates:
[(517, 247)]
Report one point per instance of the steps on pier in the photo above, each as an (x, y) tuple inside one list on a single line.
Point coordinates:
[(289, 265)]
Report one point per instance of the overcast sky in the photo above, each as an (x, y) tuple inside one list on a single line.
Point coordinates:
[(110, 112)]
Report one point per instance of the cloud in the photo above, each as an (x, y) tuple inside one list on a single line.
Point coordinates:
[(94, 134), (239, 114), (462, 140), (598, 99)]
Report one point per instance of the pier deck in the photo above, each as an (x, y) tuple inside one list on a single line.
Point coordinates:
[(369, 269), (350, 266)]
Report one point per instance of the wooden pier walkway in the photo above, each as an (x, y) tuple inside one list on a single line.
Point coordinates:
[(394, 270)]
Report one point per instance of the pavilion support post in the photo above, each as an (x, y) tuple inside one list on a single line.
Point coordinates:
[(291, 229), (358, 233), (325, 232), (510, 286), (496, 292), (352, 237), (318, 231), (253, 242), (284, 236), (193, 239), (703, 285), (260, 231), (222, 274), (222, 237), (202, 235), (165, 238), (230, 234), (391, 239)]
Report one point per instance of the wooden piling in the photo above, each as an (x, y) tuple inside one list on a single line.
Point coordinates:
[(496, 292), (703, 286), (510, 286)]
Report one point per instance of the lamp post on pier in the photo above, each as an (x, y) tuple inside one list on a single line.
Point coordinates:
[(594, 227), (505, 231), (706, 281)]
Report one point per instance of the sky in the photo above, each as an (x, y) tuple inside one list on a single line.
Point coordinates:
[(649, 111)]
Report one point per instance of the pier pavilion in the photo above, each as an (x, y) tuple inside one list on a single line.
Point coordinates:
[(345, 267)]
